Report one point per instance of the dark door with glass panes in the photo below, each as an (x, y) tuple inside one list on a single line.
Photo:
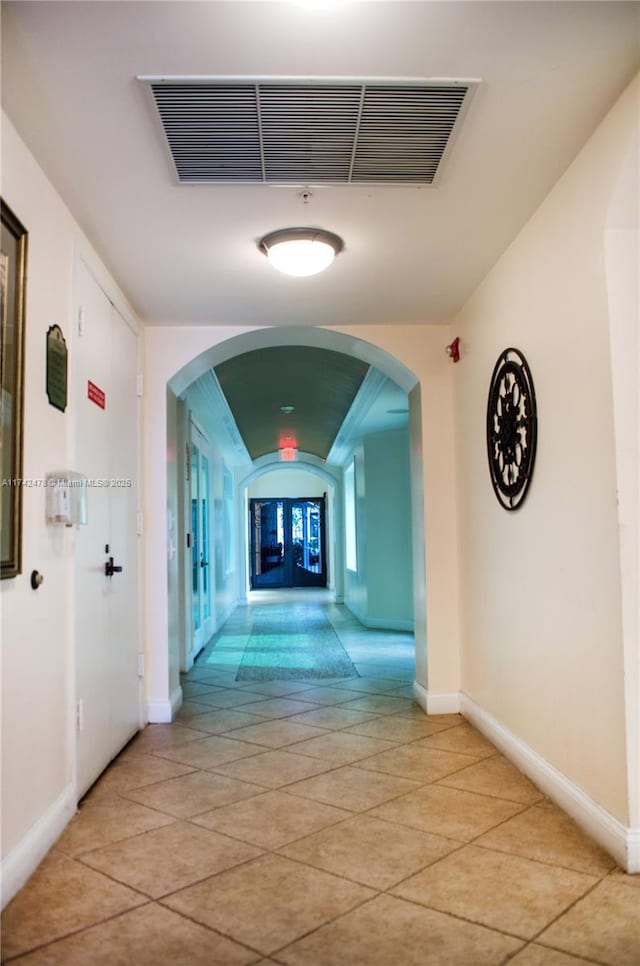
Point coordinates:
[(287, 543)]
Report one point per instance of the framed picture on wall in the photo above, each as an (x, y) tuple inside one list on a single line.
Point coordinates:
[(13, 277)]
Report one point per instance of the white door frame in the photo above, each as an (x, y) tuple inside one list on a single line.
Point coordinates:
[(85, 261), (198, 637)]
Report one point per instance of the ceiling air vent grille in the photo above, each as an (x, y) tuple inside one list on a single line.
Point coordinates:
[(282, 132)]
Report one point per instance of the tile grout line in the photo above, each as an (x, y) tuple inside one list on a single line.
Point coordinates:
[(578, 958), (526, 807), (353, 813), (329, 922), (74, 932), (350, 814), (275, 851), (337, 767), (460, 918), (379, 892), (572, 905), (119, 915), (546, 862)]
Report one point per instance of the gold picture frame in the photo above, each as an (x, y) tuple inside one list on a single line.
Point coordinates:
[(13, 280)]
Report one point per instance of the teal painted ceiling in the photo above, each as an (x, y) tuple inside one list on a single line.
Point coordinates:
[(318, 383)]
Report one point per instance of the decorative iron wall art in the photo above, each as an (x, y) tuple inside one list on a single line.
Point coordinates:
[(511, 428)]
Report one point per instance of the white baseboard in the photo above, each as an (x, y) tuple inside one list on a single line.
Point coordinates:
[(633, 850), (436, 703), (443, 703), (378, 623), (176, 701), (163, 712), (619, 841), (420, 696), (384, 624), (159, 712), (23, 860)]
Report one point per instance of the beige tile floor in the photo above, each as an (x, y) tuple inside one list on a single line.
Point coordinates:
[(319, 825)]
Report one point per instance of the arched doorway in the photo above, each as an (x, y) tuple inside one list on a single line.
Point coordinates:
[(268, 478), (175, 359)]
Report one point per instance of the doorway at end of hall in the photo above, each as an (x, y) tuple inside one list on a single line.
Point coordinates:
[(287, 539)]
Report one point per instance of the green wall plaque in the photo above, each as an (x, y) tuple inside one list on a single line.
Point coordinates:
[(56, 368)]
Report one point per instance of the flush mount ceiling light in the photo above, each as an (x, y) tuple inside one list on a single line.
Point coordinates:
[(301, 251)]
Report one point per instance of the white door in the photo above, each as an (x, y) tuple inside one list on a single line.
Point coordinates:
[(106, 607), (200, 538)]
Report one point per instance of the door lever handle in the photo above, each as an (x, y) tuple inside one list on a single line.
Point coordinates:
[(110, 568)]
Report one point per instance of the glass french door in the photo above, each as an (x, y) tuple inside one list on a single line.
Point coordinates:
[(200, 490), (287, 543)]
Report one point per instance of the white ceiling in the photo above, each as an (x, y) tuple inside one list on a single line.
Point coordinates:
[(187, 254)]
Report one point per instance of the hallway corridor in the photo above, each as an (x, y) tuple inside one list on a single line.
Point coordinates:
[(318, 822)]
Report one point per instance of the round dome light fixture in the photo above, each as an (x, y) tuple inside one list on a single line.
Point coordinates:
[(301, 251)]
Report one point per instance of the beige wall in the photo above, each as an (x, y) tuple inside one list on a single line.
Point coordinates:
[(540, 587), (623, 290), (379, 592), (388, 524), (37, 647), (356, 595), (176, 610), (182, 354), (36, 626), (223, 573), (294, 483), (421, 348), (287, 482)]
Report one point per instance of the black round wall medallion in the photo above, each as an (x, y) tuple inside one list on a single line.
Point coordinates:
[(511, 428)]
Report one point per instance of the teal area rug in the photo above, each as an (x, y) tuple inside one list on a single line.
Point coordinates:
[(293, 643)]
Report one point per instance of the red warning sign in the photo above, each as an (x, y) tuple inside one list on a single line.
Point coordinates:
[(96, 395)]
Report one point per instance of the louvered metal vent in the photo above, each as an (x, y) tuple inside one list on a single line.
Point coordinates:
[(307, 133)]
